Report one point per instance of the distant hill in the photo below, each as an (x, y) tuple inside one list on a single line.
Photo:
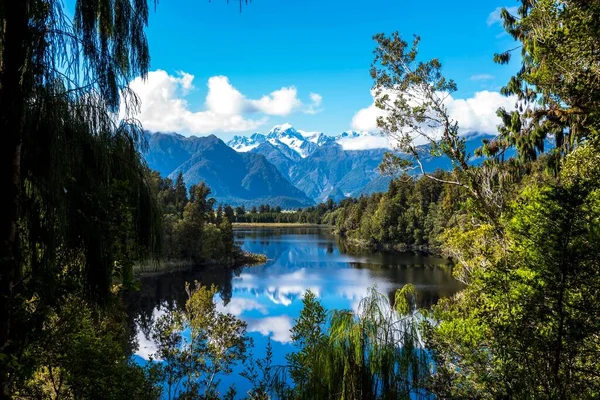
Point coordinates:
[(285, 167), (234, 178), (323, 167), (316, 163)]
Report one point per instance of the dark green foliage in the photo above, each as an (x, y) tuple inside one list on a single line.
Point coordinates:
[(266, 214), (412, 214), (81, 354), (79, 208), (191, 228), (529, 315), (557, 85)]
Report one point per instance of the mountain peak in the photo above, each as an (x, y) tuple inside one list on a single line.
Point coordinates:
[(282, 128)]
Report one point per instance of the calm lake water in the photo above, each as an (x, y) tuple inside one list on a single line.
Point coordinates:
[(269, 297)]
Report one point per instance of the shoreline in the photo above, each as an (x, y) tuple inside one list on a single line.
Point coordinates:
[(277, 225), (389, 248), (160, 267)]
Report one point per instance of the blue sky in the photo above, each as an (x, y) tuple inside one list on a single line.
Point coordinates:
[(313, 46)]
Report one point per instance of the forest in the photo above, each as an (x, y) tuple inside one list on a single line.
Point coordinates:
[(81, 208), (412, 214)]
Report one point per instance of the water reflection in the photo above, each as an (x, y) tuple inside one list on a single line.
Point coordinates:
[(269, 297)]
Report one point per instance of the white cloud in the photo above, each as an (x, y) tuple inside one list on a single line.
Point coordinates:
[(146, 346), (482, 77), (222, 98), (475, 114), (366, 142), (478, 113), (280, 102), (366, 118), (164, 107), (494, 16), (316, 100)]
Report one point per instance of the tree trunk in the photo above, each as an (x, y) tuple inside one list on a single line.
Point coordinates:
[(15, 35)]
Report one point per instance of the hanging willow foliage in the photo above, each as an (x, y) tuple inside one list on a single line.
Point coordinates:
[(372, 353), (71, 172)]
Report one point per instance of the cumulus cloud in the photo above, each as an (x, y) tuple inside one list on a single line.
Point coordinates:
[(494, 17), (164, 107), (478, 113), (366, 118), (238, 305), (146, 346), (280, 102), (475, 114)]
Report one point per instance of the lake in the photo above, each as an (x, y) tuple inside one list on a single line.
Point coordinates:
[(269, 297)]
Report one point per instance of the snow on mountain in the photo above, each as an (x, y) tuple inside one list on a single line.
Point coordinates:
[(290, 137), (285, 137), (354, 140), (351, 135), (319, 138), (243, 144)]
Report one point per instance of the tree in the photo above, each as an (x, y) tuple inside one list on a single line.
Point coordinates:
[(527, 318), (180, 193), (368, 354), (240, 211), (73, 352), (413, 94), (67, 162), (229, 213), (557, 85)]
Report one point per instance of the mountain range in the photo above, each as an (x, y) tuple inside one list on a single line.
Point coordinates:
[(285, 167)]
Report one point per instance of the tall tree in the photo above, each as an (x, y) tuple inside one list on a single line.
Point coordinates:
[(526, 326), (413, 93)]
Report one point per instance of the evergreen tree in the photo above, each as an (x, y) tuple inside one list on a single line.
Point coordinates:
[(180, 193)]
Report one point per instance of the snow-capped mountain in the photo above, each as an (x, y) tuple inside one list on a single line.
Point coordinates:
[(285, 137), (352, 135), (243, 144), (318, 138), (285, 166)]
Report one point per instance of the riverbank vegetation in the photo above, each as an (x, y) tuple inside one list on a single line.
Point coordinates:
[(192, 232), (526, 233)]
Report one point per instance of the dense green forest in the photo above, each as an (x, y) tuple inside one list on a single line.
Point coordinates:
[(412, 214), (81, 209)]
